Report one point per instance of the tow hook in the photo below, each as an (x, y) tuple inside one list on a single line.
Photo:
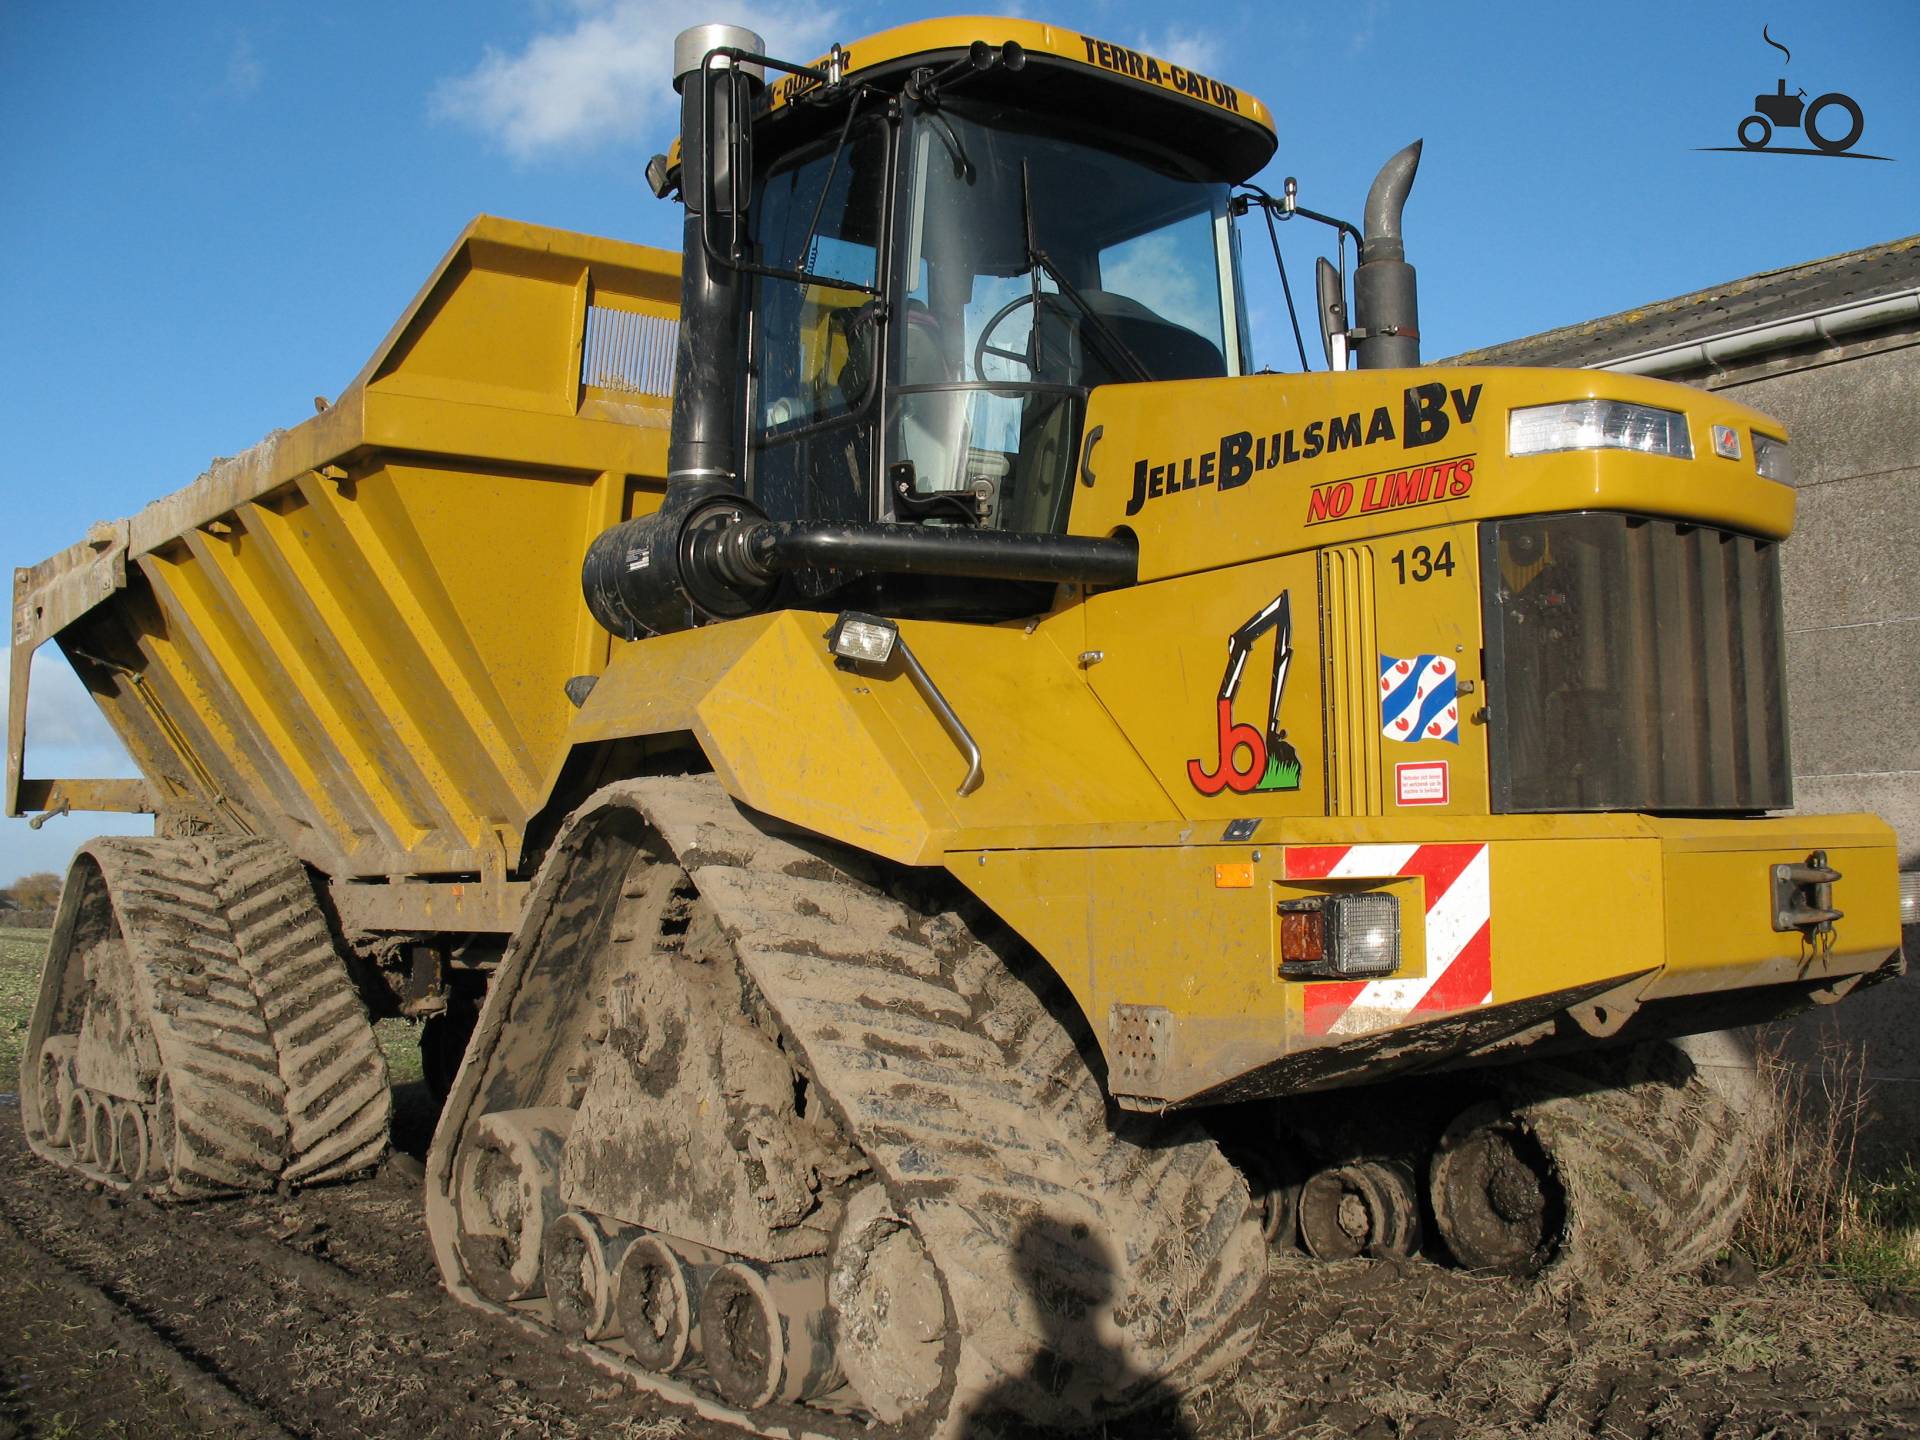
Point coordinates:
[(1803, 897)]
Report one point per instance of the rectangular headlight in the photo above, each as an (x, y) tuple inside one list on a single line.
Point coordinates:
[(862, 637), (1598, 425), (1340, 937), (1772, 458)]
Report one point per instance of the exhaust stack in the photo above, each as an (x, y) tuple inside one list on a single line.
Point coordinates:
[(710, 359), (1385, 305)]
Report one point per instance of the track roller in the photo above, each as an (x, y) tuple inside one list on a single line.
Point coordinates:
[(507, 1198), (56, 1087), (892, 1317), (658, 1300), (1496, 1200), (580, 1268), (131, 1150), (1369, 1206), (100, 1136), (764, 1332)]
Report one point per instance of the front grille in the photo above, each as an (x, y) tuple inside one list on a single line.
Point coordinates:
[(1633, 664)]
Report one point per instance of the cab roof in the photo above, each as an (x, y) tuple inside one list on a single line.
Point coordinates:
[(1220, 128)]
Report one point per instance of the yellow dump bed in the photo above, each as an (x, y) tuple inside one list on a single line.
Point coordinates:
[(357, 635)]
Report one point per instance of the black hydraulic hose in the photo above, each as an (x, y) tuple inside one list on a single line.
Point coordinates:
[(782, 546)]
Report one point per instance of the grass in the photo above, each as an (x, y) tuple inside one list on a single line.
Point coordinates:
[(21, 952), (1815, 1204), (400, 1042)]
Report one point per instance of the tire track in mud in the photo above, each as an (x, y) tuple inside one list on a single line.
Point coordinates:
[(143, 1340), (315, 1314)]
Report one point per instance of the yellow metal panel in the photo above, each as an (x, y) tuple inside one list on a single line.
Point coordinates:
[(1167, 664), (233, 636), (252, 587), (1427, 586), (1216, 472), (501, 322), (859, 754), (200, 719), (391, 764), (1349, 641), (329, 571), (1720, 933), (433, 658), (252, 705)]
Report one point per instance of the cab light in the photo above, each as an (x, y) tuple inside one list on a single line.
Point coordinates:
[(1598, 425), (1340, 937), (1772, 458)]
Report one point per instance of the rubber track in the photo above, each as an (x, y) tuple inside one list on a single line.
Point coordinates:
[(214, 1044), (1084, 1267), (274, 1070), (1656, 1162), (338, 1101)]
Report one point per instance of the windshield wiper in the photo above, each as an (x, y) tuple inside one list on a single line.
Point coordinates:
[(1116, 349)]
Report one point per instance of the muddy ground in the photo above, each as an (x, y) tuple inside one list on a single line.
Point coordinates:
[(319, 1314)]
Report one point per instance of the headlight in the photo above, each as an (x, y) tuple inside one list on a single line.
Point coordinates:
[(1598, 425), (1772, 458)]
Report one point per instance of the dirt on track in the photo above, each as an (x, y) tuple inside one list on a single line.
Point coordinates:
[(320, 1314)]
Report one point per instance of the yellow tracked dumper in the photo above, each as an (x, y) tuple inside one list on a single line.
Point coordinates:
[(930, 814)]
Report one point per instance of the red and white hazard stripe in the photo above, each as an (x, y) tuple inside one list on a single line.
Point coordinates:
[(1459, 905)]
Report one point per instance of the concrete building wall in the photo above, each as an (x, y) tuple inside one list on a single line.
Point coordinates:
[(1852, 583)]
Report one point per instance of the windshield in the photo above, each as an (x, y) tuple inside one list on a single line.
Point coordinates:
[(1033, 268)]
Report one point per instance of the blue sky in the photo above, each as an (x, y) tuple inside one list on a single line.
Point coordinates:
[(209, 214)]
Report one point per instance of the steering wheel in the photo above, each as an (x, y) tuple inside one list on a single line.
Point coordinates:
[(981, 349)]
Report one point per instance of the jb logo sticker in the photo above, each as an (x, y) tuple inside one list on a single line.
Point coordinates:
[(1249, 758), (1419, 698)]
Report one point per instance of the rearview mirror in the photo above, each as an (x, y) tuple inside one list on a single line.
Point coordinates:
[(1332, 296)]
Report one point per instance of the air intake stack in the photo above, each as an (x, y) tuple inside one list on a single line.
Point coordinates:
[(716, 176)]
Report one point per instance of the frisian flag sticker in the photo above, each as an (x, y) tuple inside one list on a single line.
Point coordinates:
[(1419, 698)]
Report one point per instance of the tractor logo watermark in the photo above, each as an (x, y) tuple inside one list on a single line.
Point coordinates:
[(1831, 124), (1248, 757)]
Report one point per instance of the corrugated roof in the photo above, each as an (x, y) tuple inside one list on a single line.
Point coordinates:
[(1686, 319)]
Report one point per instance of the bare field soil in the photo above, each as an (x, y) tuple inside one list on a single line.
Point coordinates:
[(319, 1313)]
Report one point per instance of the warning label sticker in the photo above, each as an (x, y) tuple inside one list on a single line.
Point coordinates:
[(1421, 782)]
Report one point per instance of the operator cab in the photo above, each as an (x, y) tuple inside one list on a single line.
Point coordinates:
[(966, 261)]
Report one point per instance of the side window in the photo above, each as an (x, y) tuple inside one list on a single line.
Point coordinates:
[(816, 340), (816, 346)]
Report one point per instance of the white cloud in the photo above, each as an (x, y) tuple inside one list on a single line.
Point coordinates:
[(1190, 49), (244, 71), (1362, 37), (66, 734), (605, 72)]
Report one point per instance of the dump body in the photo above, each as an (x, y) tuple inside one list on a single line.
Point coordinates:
[(357, 635)]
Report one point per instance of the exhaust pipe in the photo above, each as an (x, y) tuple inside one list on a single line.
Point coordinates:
[(1386, 307), (709, 412)]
